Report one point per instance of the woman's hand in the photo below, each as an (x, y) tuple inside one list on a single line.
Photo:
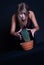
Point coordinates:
[(18, 34), (32, 31)]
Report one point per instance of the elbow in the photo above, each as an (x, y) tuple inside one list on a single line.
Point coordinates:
[(11, 32), (38, 28)]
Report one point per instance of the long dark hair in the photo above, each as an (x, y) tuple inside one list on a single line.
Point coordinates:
[(22, 6)]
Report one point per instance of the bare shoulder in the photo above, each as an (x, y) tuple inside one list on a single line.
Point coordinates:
[(31, 14), (13, 16)]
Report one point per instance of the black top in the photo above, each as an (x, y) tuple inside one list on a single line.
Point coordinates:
[(29, 26)]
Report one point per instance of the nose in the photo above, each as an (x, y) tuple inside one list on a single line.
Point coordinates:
[(23, 15)]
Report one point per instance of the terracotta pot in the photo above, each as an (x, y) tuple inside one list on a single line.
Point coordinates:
[(27, 45)]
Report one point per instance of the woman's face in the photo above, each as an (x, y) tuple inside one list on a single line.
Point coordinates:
[(22, 16)]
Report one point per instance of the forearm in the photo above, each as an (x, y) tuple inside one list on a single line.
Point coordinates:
[(35, 29)]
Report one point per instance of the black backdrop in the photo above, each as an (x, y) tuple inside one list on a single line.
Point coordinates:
[(7, 8)]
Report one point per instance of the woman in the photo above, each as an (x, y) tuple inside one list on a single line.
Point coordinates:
[(22, 28)]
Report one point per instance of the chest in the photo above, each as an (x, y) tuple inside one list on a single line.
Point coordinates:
[(28, 24)]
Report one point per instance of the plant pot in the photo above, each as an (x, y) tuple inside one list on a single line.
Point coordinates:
[(27, 45)]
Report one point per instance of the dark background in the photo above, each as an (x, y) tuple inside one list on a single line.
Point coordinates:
[(7, 8), (7, 43)]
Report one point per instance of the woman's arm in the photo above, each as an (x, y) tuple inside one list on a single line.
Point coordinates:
[(13, 28), (33, 18), (13, 25)]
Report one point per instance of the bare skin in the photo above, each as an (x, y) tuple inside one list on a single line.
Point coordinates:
[(36, 28)]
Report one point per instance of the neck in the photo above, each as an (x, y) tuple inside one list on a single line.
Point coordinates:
[(25, 22)]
